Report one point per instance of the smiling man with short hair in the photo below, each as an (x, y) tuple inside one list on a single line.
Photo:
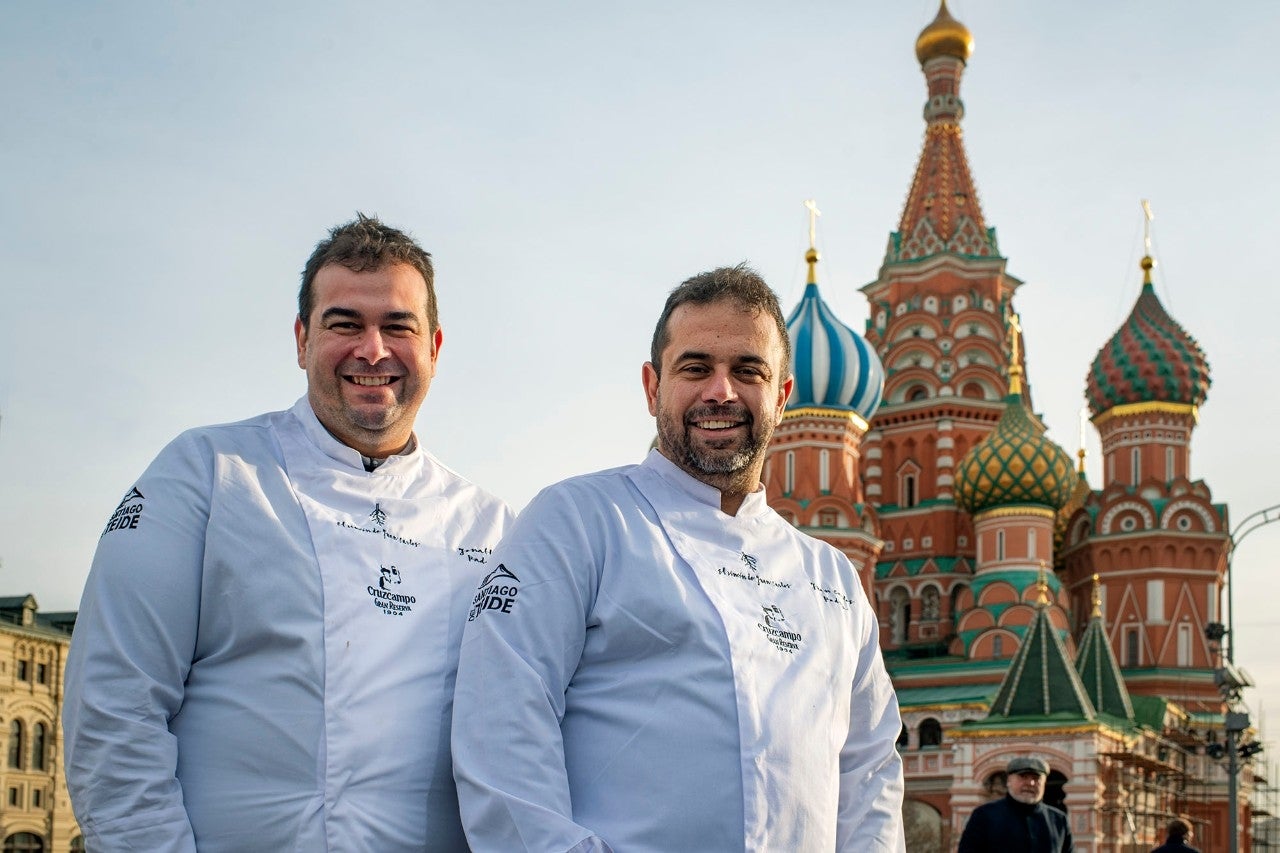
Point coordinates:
[(265, 651), (659, 662)]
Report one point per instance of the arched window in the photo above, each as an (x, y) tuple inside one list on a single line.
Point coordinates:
[(789, 472), (1136, 457), (919, 392), (930, 734), (824, 471), (24, 842), (999, 545), (38, 747), (15, 744), (900, 615), (904, 737)]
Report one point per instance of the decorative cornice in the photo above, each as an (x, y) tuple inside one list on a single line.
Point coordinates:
[(1148, 408), (1026, 509), (826, 414)]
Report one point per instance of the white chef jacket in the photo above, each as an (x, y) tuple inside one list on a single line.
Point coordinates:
[(265, 651), (642, 672)]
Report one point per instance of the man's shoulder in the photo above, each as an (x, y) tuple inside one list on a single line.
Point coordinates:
[(586, 486), (238, 437), (451, 482)]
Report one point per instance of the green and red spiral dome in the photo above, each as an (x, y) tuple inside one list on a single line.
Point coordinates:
[(1150, 358)]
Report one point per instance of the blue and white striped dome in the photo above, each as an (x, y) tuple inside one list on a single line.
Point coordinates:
[(834, 366)]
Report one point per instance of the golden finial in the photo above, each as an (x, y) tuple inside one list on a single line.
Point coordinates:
[(1148, 262), (1042, 586), (1097, 598), (945, 36), (1084, 420), (812, 257), (1015, 368)]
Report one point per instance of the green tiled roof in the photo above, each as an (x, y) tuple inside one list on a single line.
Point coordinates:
[(913, 697), (1149, 711), (1100, 672), (946, 566), (1041, 680)]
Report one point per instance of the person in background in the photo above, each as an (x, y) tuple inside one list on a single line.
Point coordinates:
[(1019, 822), (1180, 836), (657, 661), (265, 651)]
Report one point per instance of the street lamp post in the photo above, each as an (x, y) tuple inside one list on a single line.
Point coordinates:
[(1251, 523)]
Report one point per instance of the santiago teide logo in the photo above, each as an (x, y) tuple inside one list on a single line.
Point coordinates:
[(497, 592)]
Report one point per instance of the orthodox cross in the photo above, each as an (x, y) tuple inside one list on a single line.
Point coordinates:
[(1147, 216), (812, 206)]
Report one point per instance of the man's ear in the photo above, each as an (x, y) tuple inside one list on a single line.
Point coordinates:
[(300, 335), (649, 375), (784, 394)]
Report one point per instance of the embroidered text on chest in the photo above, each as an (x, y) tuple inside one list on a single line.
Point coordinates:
[(748, 570), (378, 525)]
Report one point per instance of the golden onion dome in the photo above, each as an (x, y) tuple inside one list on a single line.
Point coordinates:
[(944, 37)]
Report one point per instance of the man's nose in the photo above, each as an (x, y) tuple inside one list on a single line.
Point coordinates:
[(372, 348), (719, 387)]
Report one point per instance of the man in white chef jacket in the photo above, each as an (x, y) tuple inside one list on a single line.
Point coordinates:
[(655, 660), (265, 651)]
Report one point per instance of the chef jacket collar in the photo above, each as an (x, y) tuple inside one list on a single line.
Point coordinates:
[(339, 452), (753, 505)]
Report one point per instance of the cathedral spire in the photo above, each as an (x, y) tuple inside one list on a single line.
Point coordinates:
[(942, 213), (1099, 670)]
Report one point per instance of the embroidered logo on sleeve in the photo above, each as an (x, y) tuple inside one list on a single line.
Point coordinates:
[(777, 630), (128, 512), (497, 592), (385, 599), (750, 572)]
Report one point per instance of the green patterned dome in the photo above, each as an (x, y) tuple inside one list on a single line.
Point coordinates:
[(1015, 464), (1150, 358)]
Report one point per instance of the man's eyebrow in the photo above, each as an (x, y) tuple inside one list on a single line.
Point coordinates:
[(349, 313), (352, 314), (400, 316)]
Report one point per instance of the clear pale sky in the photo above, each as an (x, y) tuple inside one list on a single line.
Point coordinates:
[(168, 167)]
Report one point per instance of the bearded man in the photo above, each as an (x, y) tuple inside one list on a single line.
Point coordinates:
[(652, 664), (1019, 822)]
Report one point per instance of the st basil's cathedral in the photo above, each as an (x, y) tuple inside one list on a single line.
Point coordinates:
[(1023, 611)]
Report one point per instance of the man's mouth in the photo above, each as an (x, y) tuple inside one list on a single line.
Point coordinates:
[(717, 424), (370, 381)]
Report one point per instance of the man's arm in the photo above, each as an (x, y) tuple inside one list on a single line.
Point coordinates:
[(520, 650), (130, 654), (871, 785), (973, 838)]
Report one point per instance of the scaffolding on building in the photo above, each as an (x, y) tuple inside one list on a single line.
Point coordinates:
[(1162, 777), (1264, 807)]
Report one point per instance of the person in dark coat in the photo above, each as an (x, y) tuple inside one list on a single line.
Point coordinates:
[(1179, 839), (1019, 822)]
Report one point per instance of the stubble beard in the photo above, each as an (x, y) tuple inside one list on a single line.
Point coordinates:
[(731, 470), (1026, 799)]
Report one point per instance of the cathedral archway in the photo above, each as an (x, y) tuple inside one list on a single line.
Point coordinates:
[(923, 825)]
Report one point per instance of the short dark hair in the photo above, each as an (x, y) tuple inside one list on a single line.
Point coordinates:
[(1179, 828), (740, 284), (365, 244)]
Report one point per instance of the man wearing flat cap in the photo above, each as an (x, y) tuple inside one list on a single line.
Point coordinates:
[(1019, 822)]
